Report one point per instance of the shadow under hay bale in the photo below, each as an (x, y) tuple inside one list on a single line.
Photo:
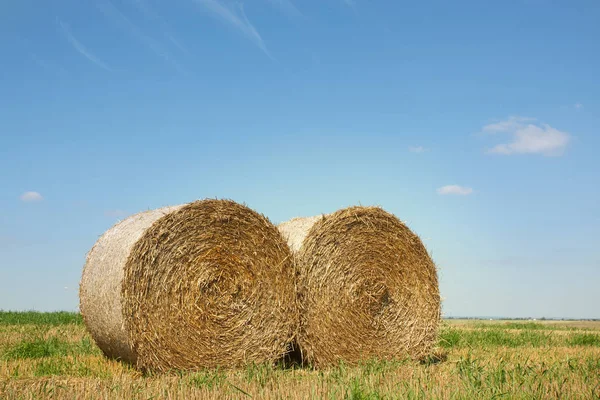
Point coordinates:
[(195, 286), (367, 289)]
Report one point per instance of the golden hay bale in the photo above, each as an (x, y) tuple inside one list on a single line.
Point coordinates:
[(201, 285), (367, 289)]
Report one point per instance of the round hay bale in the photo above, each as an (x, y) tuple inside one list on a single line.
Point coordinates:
[(367, 289), (201, 285)]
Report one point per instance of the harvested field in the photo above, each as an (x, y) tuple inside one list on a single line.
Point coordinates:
[(60, 361)]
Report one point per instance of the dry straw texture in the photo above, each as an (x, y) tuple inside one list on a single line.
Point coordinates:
[(201, 285), (102, 279), (366, 287)]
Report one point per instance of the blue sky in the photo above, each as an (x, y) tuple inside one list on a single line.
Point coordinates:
[(476, 122)]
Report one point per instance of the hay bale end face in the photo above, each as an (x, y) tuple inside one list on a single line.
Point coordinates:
[(196, 286), (367, 289), (102, 280)]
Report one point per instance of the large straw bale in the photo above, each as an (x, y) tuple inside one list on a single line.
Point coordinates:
[(200, 285), (367, 288)]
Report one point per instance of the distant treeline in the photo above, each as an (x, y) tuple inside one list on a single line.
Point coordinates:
[(523, 319), (73, 317)]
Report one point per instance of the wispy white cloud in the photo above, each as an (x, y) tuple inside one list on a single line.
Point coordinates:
[(177, 43), (417, 149), (153, 15), (528, 137), (234, 15), (287, 6), (80, 47), (455, 189), (31, 197), (578, 106), (113, 13)]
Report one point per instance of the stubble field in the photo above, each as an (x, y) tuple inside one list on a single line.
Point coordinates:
[(50, 355)]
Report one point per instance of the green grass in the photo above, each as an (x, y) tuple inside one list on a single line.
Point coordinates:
[(53, 346), (584, 339), (39, 318), (488, 336), (357, 390), (62, 367), (209, 379)]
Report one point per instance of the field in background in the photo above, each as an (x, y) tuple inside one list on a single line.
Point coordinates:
[(50, 355)]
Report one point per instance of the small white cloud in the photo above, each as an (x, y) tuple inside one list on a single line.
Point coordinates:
[(455, 189), (528, 137), (509, 124), (115, 213), (417, 149), (578, 106), (30, 197)]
